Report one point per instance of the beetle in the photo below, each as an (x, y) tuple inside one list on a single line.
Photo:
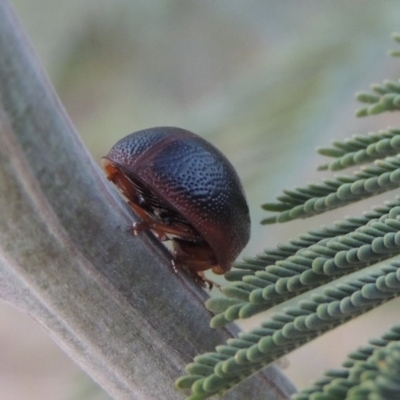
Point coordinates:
[(184, 190)]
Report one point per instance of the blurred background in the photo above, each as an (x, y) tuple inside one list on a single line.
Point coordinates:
[(265, 81)]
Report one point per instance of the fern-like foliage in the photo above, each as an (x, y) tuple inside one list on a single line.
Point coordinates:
[(361, 149), (217, 372), (384, 97), (312, 260), (318, 198), (370, 372), (324, 257)]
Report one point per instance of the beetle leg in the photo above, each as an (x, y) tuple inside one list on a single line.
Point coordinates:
[(202, 281), (160, 229), (174, 267), (197, 276), (118, 178), (135, 200), (138, 227), (196, 258)]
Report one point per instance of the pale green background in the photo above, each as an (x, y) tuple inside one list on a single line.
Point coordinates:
[(265, 81)]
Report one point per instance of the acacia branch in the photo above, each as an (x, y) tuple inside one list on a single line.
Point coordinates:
[(109, 299)]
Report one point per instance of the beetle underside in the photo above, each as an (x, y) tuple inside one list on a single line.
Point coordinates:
[(190, 250)]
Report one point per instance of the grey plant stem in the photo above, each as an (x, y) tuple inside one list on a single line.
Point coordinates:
[(109, 299)]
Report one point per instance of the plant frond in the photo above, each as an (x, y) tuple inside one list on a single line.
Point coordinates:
[(216, 372), (325, 256), (370, 369), (383, 176), (396, 38), (361, 149), (314, 259), (384, 97)]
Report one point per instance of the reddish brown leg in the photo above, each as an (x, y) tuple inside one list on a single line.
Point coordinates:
[(118, 178), (157, 227), (198, 277), (178, 229), (195, 258)]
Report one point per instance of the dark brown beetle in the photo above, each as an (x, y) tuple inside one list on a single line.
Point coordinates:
[(184, 190)]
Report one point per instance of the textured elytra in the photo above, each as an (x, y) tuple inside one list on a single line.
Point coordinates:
[(193, 178)]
